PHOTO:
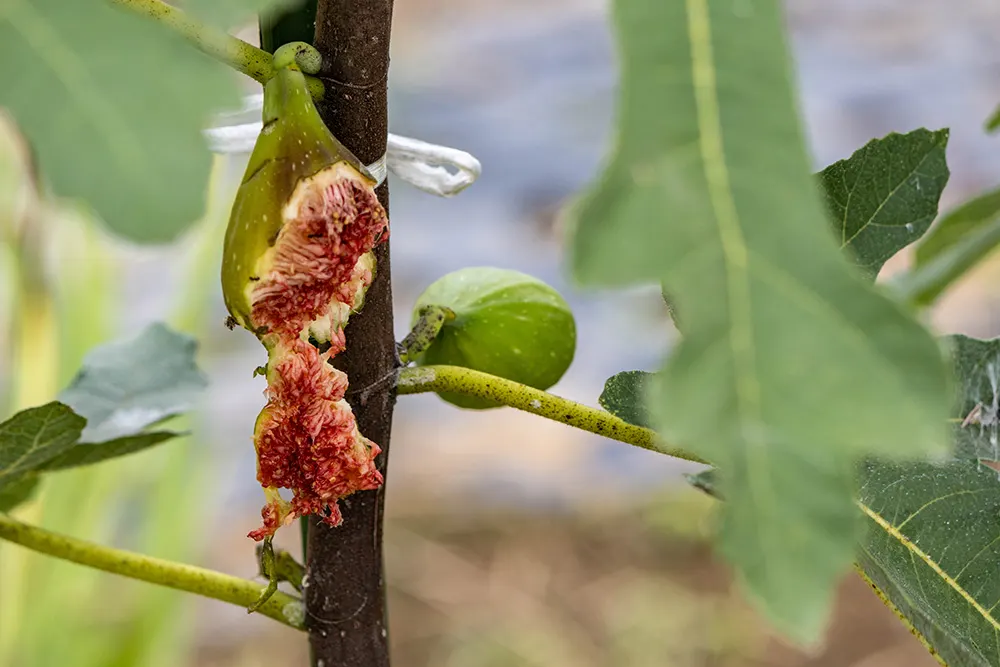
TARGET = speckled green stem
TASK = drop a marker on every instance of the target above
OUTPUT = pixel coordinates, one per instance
(281, 607)
(455, 379)
(243, 57)
(430, 319)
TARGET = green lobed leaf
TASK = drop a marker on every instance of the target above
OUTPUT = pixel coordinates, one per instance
(709, 193)
(113, 105)
(124, 387)
(885, 196)
(84, 454)
(624, 396)
(17, 491)
(932, 541)
(931, 547)
(34, 436)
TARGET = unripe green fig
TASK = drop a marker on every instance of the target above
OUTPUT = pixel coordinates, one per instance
(506, 323)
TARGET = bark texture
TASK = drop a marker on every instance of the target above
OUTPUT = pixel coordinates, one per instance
(345, 597)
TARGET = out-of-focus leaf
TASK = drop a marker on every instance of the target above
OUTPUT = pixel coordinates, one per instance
(925, 283)
(17, 491)
(624, 396)
(113, 104)
(709, 193)
(962, 239)
(126, 386)
(15, 179)
(88, 453)
(34, 436)
(957, 225)
(993, 122)
(705, 481)
(229, 13)
(297, 23)
(885, 196)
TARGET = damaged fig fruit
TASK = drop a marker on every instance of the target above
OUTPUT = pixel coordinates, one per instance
(297, 262)
(505, 323)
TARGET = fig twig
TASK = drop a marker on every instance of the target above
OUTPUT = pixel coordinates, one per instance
(281, 607)
(468, 382)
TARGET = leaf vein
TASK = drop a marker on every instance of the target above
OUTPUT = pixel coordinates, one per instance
(930, 562)
(885, 200)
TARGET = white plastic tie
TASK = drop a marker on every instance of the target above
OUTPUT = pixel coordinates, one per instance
(427, 166)
(439, 170)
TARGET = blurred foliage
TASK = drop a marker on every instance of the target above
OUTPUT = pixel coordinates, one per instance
(143, 502)
(708, 193)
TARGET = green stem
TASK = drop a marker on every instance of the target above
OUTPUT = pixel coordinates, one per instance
(281, 607)
(243, 57)
(468, 382)
(425, 331)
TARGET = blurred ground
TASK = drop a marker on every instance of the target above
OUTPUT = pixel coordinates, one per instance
(602, 586)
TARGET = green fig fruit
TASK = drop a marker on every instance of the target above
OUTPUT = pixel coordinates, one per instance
(505, 323)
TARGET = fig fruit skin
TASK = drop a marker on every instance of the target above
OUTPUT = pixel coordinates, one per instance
(293, 148)
(506, 323)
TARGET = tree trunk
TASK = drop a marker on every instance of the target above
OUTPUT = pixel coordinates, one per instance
(345, 597)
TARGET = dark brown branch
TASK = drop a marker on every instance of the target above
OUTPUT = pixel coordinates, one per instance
(345, 596)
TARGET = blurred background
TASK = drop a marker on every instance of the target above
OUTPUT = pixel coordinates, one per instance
(510, 540)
